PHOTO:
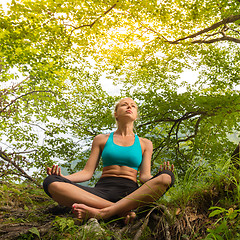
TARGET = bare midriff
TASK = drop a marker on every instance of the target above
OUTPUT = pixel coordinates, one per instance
(120, 171)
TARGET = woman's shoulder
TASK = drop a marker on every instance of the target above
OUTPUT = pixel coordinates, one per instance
(101, 138)
(145, 143)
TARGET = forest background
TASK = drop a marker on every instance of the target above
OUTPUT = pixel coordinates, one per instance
(60, 60)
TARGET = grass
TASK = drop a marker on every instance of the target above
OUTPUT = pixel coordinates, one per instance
(201, 191)
(202, 205)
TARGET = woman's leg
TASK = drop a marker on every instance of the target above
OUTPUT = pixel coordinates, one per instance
(67, 194)
(147, 193)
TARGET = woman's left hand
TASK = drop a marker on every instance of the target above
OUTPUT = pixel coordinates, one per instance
(54, 170)
(166, 166)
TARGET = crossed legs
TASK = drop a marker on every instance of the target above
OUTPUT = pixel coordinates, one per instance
(86, 204)
(147, 193)
(67, 195)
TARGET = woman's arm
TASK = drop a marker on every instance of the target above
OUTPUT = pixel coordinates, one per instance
(91, 165)
(145, 168)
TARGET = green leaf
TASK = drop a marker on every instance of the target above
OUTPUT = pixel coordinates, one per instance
(35, 231)
(218, 211)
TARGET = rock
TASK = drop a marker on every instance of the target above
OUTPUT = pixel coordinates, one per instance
(93, 226)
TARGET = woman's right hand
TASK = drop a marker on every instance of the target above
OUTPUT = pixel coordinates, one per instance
(166, 166)
(54, 170)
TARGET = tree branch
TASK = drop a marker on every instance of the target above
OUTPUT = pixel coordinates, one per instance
(177, 122)
(13, 88)
(17, 153)
(34, 124)
(95, 21)
(186, 116)
(24, 174)
(225, 21)
(224, 38)
(191, 136)
(13, 101)
(214, 26)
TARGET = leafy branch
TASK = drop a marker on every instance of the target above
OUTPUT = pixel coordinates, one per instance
(24, 95)
(5, 157)
(174, 130)
(94, 22)
(157, 150)
(5, 91)
(167, 119)
(222, 32)
(224, 22)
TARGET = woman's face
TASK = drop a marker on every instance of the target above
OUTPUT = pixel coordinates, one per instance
(126, 108)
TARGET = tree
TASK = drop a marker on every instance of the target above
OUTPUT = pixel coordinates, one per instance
(54, 52)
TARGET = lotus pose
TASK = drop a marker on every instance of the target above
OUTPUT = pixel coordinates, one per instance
(123, 154)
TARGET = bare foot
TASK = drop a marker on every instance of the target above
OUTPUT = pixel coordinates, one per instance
(130, 217)
(85, 212)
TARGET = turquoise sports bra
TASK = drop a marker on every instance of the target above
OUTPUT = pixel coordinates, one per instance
(130, 156)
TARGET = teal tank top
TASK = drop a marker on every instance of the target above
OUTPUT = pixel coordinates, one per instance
(130, 156)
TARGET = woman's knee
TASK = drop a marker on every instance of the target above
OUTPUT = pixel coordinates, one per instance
(49, 181)
(164, 180)
(54, 187)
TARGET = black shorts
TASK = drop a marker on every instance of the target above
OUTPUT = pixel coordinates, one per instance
(110, 188)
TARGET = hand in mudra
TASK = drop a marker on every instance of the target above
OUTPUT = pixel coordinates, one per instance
(54, 170)
(166, 166)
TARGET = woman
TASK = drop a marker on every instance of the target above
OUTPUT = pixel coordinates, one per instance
(117, 192)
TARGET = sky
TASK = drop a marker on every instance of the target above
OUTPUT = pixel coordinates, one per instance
(4, 3)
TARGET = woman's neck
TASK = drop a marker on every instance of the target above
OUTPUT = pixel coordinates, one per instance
(125, 129)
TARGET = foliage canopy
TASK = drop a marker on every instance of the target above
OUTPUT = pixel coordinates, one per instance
(54, 55)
